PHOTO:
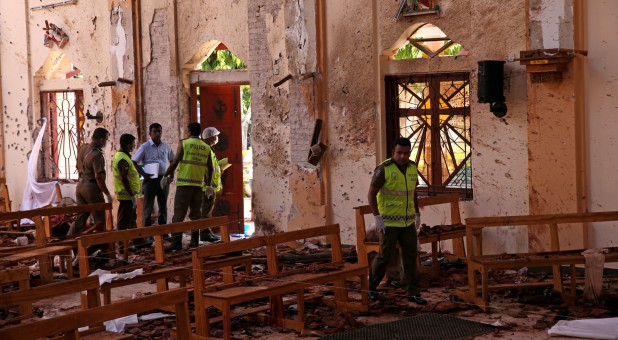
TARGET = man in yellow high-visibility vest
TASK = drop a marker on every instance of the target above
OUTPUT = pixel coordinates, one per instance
(194, 169)
(127, 187)
(393, 201)
(210, 136)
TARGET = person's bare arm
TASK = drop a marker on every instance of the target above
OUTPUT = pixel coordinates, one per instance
(174, 164)
(373, 200)
(209, 171)
(377, 181)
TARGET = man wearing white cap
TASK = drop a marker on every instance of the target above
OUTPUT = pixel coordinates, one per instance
(210, 136)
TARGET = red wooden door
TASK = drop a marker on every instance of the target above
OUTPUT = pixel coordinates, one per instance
(219, 106)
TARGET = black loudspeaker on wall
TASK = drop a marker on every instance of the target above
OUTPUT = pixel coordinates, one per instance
(491, 86)
(491, 81)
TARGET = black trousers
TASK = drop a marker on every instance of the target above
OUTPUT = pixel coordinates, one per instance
(152, 189)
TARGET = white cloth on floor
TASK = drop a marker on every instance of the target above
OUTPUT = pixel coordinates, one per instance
(37, 194)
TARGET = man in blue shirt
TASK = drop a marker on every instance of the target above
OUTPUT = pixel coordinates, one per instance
(154, 151)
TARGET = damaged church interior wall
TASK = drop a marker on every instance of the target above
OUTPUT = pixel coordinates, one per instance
(93, 48)
(499, 146)
(335, 53)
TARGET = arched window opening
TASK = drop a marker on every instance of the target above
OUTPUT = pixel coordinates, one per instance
(221, 59)
(428, 41)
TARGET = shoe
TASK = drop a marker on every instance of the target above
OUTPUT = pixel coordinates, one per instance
(373, 295)
(417, 299)
(173, 247)
(142, 246)
(210, 238)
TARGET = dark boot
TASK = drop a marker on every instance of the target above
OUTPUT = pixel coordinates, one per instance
(194, 239)
(176, 243)
(207, 235)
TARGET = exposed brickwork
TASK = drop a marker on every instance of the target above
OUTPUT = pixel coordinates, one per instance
(161, 88)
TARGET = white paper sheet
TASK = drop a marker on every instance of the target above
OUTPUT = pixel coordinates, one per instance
(590, 328)
(154, 316)
(152, 168)
(107, 276)
(117, 325)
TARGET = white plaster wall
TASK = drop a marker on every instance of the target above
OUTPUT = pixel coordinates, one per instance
(16, 110)
(601, 108)
(22, 55)
(352, 114)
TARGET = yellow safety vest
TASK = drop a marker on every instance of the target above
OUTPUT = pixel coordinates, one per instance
(194, 163)
(121, 193)
(396, 197)
(216, 183)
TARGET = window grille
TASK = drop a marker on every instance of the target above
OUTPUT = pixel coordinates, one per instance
(65, 133)
(433, 111)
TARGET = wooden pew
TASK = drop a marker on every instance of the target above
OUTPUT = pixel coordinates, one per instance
(163, 273)
(41, 218)
(22, 277)
(364, 246)
(5, 199)
(70, 323)
(249, 287)
(45, 256)
(40, 250)
(26, 297)
(481, 264)
(5, 204)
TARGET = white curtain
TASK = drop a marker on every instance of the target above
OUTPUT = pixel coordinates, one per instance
(37, 194)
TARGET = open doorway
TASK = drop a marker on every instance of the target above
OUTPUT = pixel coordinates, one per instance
(226, 106)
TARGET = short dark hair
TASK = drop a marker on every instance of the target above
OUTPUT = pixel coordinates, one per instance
(402, 141)
(126, 139)
(99, 133)
(195, 129)
(154, 126)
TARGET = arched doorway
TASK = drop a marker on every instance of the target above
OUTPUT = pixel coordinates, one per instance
(220, 98)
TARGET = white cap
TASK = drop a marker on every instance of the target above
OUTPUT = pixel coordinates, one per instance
(209, 132)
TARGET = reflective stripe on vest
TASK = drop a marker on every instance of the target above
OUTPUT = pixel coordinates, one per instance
(396, 197)
(121, 193)
(193, 166)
